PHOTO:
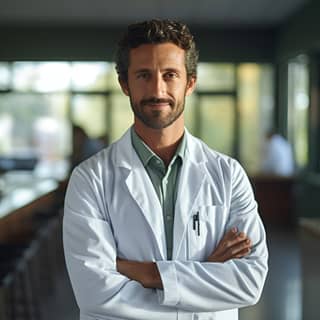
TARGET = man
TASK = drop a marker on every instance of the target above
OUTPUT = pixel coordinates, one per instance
(277, 156)
(158, 226)
(83, 146)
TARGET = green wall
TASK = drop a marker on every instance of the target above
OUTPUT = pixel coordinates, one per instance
(96, 43)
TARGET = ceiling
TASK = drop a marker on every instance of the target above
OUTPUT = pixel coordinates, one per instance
(264, 13)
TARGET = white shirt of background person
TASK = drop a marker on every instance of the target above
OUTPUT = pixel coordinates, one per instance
(278, 157)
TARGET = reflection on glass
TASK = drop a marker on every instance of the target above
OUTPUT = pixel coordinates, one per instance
(89, 112)
(6, 123)
(216, 77)
(41, 76)
(89, 76)
(34, 124)
(298, 108)
(217, 122)
(4, 76)
(256, 106)
(121, 116)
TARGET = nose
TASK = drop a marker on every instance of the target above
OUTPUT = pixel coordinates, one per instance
(158, 86)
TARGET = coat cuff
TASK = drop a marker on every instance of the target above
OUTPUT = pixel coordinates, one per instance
(169, 296)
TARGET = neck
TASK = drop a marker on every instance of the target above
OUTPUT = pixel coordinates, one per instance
(163, 142)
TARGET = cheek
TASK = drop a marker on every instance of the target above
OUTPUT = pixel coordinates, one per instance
(133, 93)
(137, 89)
(180, 91)
(136, 96)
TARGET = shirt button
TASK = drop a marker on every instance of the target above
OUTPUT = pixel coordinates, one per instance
(168, 218)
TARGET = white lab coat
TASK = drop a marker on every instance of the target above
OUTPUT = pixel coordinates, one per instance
(112, 209)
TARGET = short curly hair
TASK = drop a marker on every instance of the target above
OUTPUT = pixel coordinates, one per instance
(155, 32)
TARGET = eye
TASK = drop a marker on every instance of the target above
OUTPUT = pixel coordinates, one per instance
(143, 75)
(170, 75)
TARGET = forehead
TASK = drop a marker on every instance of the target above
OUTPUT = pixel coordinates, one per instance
(166, 55)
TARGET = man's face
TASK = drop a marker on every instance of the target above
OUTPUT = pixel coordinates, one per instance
(157, 84)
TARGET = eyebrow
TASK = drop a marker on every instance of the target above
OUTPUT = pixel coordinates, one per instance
(164, 70)
(142, 70)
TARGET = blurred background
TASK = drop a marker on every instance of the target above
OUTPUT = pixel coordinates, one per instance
(60, 102)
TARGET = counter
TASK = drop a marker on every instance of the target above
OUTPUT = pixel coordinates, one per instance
(311, 225)
(23, 192)
(22, 196)
(274, 196)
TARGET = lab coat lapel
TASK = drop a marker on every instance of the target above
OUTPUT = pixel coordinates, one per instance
(142, 191)
(192, 178)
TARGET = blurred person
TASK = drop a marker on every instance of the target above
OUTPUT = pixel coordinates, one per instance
(83, 147)
(158, 225)
(277, 156)
(104, 139)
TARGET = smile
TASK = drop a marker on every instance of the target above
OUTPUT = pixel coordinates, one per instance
(159, 105)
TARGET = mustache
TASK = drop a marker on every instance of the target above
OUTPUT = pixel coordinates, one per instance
(155, 101)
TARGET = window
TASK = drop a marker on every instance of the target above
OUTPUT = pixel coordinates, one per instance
(298, 108)
(230, 108)
(256, 110)
(216, 77)
(90, 76)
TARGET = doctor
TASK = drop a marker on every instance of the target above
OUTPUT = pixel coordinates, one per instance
(158, 226)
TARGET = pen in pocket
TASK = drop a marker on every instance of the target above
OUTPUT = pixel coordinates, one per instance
(196, 223)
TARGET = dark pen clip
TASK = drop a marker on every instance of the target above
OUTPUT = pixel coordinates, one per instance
(196, 222)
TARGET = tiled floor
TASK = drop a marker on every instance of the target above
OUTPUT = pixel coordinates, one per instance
(282, 295)
(281, 298)
(62, 306)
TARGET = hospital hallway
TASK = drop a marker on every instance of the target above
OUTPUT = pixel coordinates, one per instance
(282, 295)
(281, 299)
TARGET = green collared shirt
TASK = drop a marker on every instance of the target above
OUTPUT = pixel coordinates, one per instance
(165, 180)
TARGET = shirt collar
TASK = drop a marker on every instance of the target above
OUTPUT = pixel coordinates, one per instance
(146, 154)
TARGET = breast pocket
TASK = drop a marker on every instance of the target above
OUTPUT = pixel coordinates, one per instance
(206, 226)
(204, 316)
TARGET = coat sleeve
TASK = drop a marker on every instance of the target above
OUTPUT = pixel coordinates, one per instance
(90, 252)
(204, 286)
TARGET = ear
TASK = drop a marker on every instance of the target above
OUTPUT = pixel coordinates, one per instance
(191, 85)
(124, 86)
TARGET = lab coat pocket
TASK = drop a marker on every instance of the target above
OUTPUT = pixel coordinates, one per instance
(205, 227)
(204, 316)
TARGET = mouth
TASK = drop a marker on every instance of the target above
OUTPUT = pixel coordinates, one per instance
(157, 103)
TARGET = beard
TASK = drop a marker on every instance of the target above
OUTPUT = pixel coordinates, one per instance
(157, 119)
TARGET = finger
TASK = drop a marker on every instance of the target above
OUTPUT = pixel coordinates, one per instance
(231, 243)
(234, 239)
(242, 253)
(237, 251)
(229, 236)
(224, 242)
(238, 247)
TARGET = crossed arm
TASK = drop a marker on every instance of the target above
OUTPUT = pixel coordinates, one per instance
(233, 245)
